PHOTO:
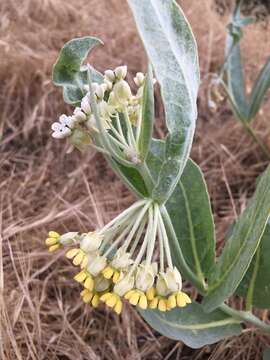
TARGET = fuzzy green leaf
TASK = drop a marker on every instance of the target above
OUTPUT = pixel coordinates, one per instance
(191, 215)
(259, 90)
(171, 48)
(255, 286)
(68, 71)
(192, 325)
(240, 247)
(148, 113)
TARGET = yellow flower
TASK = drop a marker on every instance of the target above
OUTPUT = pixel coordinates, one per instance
(53, 241)
(86, 279)
(111, 273)
(179, 299)
(160, 303)
(137, 297)
(113, 301)
(79, 257)
(90, 297)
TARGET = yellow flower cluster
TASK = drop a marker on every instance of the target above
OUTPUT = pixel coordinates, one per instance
(110, 276)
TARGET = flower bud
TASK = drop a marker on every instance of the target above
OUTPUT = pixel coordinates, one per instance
(79, 115)
(121, 259)
(85, 105)
(109, 75)
(122, 91)
(125, 284)
(108, 84)
(145, 276)
(97, 265)
(139, 79)
(120, 72)
(91, 241)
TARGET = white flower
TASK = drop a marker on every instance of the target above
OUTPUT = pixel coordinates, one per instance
(145, 276)
(69, 121)
(139, 79)
(60, 131)
(96, 265)
(120, 72)
(121, 259)
(99, 90)
(91, 241)
(173, 279)
(125, 284)
(169, 282)
(109, 75)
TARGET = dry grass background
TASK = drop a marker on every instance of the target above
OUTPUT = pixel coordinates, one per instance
(42, 188)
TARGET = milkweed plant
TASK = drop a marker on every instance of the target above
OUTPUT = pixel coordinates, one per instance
(141, 255)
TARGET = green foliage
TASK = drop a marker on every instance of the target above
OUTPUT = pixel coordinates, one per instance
(68, 71)
(244, 108)
(193, 325)
(255, 286)
(171, 48)
(190, 212)
(148, 115)
(240, 247)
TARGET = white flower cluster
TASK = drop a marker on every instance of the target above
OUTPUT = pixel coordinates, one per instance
(114, 101)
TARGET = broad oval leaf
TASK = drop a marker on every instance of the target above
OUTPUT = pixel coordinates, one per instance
(147, 116)
(192, 325)
(68, 71)
(255, 286)
(240, 247)
(172, 50)
(191, 215)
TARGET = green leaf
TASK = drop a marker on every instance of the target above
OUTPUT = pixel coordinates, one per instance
(190, 212)
(192, 325)
(259, 90)
(133, 179)
(156, 156)
(171, 48)
(234, 71)
(240, 247)
(68, 71)
(148, 113)
(255, 286)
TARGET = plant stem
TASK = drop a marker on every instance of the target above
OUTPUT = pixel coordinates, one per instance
(146, 175)
(245, 316)
(250, 131)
